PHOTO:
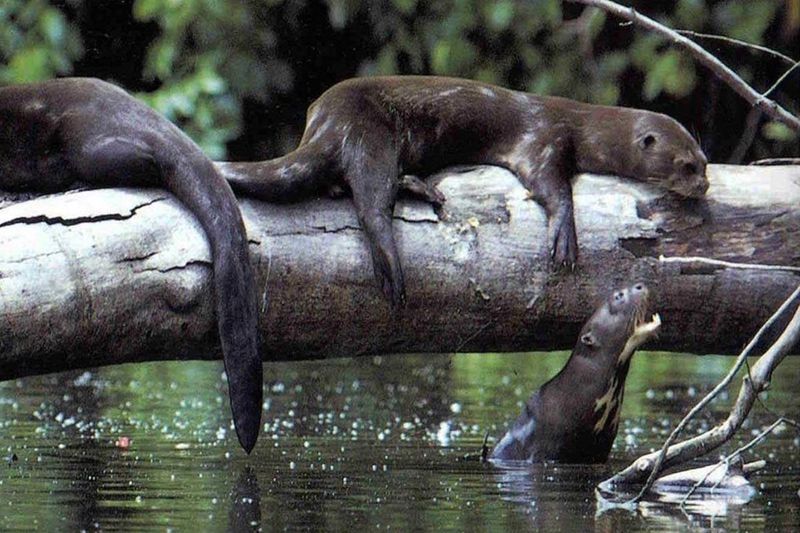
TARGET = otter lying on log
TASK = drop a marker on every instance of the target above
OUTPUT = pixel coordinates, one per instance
(363, 134)
(60, 132)
(574, 417)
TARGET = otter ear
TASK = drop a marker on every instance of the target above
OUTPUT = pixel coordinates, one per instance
(588, 339)
(647, 140)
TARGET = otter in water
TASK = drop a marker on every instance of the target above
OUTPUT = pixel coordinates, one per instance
(364, 134)
(574, 417)
(58, 132)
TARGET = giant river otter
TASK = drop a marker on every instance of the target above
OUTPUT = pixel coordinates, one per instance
(58, 132)
(574, 417)
(366, 133)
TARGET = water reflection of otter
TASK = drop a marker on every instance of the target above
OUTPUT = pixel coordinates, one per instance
(574, 417)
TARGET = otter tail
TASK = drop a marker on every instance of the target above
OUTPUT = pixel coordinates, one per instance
(195, 182)
(296, 175)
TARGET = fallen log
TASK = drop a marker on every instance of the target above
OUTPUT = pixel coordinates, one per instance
(110, 276)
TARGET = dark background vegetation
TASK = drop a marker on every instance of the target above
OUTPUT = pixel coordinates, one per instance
(238, 75)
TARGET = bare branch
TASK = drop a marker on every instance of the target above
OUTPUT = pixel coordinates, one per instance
(727, 264)
(726, 461)
(776, 161)
(780, 80)
(761, 102)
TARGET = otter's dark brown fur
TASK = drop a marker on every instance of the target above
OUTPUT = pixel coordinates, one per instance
(574, 417)
(367, 132)
(59, 132)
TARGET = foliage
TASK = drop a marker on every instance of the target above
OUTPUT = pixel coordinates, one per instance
(36, 41)
(209, 57)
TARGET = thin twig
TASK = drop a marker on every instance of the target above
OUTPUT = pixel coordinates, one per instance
(776, 161)
(727, 264)
(744, 44)
(780, 80)
(722, 71)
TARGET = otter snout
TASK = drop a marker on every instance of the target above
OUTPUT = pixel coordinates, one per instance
(633, 297)
(689, 176)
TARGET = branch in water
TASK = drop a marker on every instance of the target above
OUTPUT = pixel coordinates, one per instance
(649, 466)
(726, 461)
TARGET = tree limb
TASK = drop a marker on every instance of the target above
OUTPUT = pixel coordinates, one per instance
(722, 71)
(112, 276)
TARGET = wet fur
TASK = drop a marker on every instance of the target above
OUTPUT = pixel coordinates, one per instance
(59, 132)
(574, 417)
(368, 132)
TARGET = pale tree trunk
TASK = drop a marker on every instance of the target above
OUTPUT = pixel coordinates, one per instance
(110, 276)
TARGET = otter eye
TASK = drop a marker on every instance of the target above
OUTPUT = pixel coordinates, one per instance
(648, 141)
(638, 287)
(689, 169)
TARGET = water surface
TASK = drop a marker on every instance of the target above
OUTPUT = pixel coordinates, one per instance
(373, 443)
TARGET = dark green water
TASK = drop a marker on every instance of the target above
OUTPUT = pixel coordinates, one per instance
(368, 444)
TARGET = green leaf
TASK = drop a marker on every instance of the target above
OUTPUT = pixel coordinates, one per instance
(691, 14)
(488, 74)
(499, 14)
(453, 57)
(671, 73)
(605, 94)
(612, 64)
(406, 7)
(161, 58)
(644, 51)
(52, 26)
(30, 65)
(387, 60)
(777, 131)
(657, 75)
(145, 10)
(746, 20)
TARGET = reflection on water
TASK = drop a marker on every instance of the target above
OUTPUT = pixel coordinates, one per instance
(375, 443)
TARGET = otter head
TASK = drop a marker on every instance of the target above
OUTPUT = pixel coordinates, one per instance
(665, 155)
(618, 326)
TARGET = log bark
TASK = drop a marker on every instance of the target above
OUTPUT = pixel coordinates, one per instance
(110, 276)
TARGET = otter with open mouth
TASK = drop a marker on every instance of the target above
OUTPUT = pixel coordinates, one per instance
(574, 417)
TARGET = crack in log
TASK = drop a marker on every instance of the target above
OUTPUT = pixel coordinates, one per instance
(29, 258)
(415, 220)
(326, 229)
(135, 258)
(187, 264)
(52, 221)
